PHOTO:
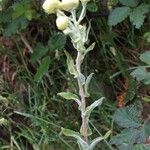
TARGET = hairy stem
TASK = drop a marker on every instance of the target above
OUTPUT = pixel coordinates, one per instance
(82, 96)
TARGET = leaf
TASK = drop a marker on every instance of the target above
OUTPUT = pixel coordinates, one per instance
(92, 7)
(130, 3)
(43, 68)
(57, 41)
(87, 82)
(15, 26)
(117, 15)
(141, 74)
(147, 36)
(90, 48)
(137, 16)
(95, 142)
(127, 117)
(18, 10)
(131, 90)
(90, 108)
(6, 15)
(81, 78)
(89, 132)
(128, 137)
(76, 135)
(39, 51)
(125, 139)
(142, 147)
(145, 57)
(68, 95)
(70, 64)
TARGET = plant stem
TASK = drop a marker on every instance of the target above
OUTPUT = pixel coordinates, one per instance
(82, 96)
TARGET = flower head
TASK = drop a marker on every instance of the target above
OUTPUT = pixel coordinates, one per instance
(62, 22)
(84, 1)
(50, 6)
(69, 5)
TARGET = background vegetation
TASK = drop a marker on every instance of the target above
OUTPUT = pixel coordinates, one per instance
(33, 70)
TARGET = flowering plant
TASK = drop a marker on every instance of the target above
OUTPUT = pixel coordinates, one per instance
(79, 33)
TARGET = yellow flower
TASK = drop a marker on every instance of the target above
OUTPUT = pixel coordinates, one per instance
(62, 22)
(70, 4)
(50, 6)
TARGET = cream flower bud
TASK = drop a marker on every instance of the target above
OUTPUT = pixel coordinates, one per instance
(85, 1)
(70, 4)
(50, 6)
(62, 22)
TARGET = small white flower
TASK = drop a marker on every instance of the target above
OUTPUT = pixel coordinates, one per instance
(69, 5)
(62, 22)
(50, 6)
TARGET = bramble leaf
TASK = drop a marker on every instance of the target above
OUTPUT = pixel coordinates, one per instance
(137, 16)
(130, 3)
(118, 14)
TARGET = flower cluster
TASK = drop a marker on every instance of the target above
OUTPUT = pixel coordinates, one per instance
(57, 7)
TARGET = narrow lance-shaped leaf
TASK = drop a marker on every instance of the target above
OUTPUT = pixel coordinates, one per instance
(95, 142)
(81, 78)
(90, 48)
(87, 82)
(70, 96)
(70, 64)
(90, 108)
(76, 135)
(89, 132)
(88, 31)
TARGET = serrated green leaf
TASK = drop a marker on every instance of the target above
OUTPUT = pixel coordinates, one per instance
(57, 41)
(124, 140)
(43, 69)
(142, 147)
(131, 91)
(141, 74)
(6, 15)
(127, 117)
(87, 82)
(145, 57)
(130, 3)
(70, 64)
(128, 137)
(92, 7)
(137, 16)
(117, 15)
(147, 36)
(15, 26)
(68, 95)
(18, 10)
(39, 51)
